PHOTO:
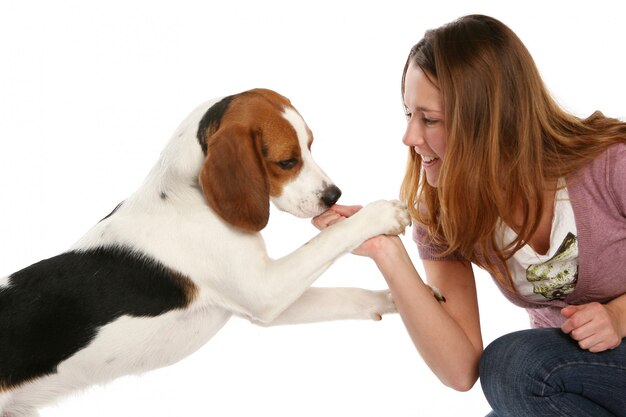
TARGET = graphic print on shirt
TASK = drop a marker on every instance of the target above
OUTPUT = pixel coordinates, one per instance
(557, 277)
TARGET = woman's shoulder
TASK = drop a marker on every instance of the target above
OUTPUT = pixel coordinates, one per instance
(603, 180)
(609, 165)
(616, 174)
(615, 155)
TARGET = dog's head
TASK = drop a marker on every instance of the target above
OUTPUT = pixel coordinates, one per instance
(258, 149)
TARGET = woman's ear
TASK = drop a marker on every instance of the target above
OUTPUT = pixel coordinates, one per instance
(234, 179)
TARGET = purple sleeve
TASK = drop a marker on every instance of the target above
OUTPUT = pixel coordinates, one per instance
(616, 176)
(429, 250)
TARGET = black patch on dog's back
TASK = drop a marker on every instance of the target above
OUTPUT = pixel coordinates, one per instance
(210, 122)
(54, 308)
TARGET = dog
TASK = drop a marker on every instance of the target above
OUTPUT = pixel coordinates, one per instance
(155, 279)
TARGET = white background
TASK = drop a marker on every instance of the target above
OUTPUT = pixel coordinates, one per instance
(91, 90)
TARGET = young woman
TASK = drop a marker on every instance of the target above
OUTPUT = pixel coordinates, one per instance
(498, 175)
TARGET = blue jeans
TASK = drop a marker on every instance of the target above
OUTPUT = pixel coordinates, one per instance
(543, 373)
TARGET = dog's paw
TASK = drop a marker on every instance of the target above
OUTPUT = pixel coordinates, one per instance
(381, 303)
(384, 217)
(437, 294)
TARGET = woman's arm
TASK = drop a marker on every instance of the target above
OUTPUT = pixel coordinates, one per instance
(447, 335)
(599, 327)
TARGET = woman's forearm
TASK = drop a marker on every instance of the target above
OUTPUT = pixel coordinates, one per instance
(439, 338)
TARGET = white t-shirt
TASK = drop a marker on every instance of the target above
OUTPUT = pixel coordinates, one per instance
(551, 276)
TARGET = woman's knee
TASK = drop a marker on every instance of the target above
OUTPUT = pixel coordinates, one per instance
(497, 365)
(513, 366)
(544, 372)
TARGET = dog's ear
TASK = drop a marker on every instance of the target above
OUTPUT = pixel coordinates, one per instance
(234, 179)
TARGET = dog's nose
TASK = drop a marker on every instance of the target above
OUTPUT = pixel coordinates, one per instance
(331, 195)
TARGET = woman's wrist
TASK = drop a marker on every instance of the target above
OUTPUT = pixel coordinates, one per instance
(384, 248)
(617, 307)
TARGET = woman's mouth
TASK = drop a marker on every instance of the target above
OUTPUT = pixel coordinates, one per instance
(428, 160)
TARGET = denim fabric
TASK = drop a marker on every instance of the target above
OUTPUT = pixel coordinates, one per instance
(543, 373)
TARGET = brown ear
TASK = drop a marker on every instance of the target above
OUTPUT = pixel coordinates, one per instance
(234, 180)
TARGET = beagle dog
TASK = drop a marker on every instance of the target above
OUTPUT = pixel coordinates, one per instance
(159, 276)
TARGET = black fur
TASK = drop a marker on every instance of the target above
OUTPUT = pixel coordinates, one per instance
(113, 212)
(211, 120)
(54, 308)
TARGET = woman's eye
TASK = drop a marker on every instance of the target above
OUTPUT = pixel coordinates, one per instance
(287, 163)
(429, 122)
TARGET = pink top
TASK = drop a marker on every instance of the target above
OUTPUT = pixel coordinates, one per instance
(598, 197)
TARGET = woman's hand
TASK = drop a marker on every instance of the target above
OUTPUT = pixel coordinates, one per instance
(370, 248)
(333, 215)
(595, 326)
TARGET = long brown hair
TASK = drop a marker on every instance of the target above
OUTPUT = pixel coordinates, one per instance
(507, 140)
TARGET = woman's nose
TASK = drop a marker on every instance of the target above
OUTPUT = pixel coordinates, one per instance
(413, 136)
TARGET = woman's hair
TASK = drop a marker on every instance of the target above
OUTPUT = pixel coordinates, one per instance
(507, 140)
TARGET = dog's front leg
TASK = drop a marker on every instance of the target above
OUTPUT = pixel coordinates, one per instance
(284, 280)
(326, 304)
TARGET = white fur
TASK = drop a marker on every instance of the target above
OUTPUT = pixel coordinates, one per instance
(301, 197)
(231, 269)
(4, 281)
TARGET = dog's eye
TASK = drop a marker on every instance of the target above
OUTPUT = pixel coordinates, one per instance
(287, 163)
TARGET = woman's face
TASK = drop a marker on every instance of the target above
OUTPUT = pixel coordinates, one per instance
(425, 131)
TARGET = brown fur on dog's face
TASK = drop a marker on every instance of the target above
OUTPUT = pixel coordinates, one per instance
(253, 152)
